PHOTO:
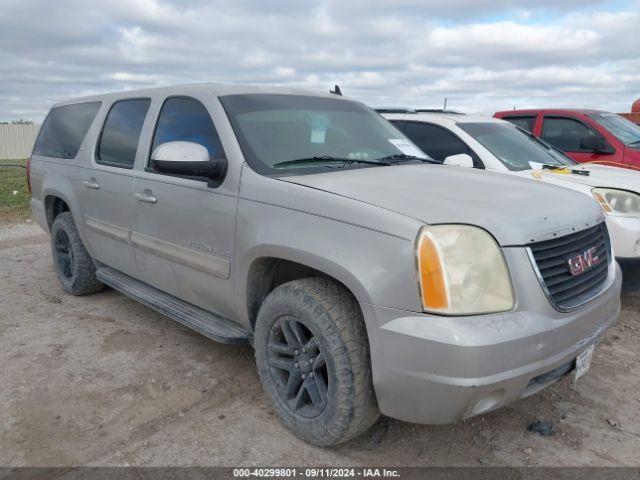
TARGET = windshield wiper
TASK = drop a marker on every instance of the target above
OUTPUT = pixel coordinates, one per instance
(329, 159)
(637, 142)
(403, 157)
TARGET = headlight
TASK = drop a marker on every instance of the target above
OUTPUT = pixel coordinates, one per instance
(461, 271)
(618, 202)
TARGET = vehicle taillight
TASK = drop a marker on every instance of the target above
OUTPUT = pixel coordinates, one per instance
(29, 174)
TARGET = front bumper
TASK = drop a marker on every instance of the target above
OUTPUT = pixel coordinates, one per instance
(433, 369)
(625, 239)
(625, 236)
(630, 272)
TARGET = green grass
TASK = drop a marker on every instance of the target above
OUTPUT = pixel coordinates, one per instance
(14, 179)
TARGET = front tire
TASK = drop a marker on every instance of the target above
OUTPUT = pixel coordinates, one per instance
(72, 262)
(312, 354)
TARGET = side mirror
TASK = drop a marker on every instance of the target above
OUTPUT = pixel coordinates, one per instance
(186, 158)
(596, 145)
(461, 160)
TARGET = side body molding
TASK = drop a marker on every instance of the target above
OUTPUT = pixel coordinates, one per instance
(204, 262)
(107, 229)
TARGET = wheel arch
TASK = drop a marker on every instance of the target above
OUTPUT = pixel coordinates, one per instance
(267, 271)
(55, 202)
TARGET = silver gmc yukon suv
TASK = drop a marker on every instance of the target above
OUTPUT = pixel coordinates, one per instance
(367, 279)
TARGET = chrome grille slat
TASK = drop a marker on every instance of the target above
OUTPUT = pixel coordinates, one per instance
(572, 238)
(567, 248)
(551, 260)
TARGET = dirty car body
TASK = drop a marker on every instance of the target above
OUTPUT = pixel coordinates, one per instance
(225, 241)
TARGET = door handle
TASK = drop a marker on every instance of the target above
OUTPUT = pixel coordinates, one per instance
(92, 184)
(146, 197)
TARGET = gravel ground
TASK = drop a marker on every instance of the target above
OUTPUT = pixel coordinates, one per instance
(102, 380)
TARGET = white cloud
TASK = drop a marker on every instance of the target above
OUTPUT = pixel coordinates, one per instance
(483, 55)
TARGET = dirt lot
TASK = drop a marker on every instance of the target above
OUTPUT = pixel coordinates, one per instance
(102, 380)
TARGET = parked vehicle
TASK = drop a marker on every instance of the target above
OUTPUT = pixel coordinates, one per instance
(367, 279)
(584, 135)
(491, 144)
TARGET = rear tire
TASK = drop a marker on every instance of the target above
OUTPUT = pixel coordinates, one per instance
(72, 262)
(312, 353)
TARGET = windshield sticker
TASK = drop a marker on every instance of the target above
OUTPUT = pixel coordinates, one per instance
(536, 165)
(319, 124)
(406, 147)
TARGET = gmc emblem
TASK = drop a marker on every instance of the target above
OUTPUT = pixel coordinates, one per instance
(583, 262)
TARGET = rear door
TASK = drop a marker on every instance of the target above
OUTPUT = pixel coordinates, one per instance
(184, 228)
(108, 183)
(566, 133)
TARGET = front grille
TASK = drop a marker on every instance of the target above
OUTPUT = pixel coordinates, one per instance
(551, 257)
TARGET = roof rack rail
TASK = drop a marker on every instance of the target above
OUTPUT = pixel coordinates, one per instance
(437, 110)
(394, 110)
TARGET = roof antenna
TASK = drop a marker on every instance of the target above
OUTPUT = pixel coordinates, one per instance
(444, 108)
(336, 90)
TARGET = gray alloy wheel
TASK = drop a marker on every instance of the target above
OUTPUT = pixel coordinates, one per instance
(312, 353)
(72, 262)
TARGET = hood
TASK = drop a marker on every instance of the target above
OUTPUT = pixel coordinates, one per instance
(599, 176)
(516, 211)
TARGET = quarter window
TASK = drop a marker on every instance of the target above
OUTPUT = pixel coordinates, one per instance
(185, 119)
(526, 123)
(566, 133)
(121, 132)
(64, 129)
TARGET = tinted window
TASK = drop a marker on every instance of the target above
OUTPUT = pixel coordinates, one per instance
(435, 141)
(322, 132)
(525, 123)
(516, 149)
(64, 129)
(121, 132)
(565, 133)
(186, 119)
(624, 130)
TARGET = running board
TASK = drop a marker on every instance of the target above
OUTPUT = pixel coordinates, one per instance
(206, 323)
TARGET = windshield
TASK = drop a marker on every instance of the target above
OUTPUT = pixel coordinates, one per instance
(624, 130)
(516, 149)
(307, 134)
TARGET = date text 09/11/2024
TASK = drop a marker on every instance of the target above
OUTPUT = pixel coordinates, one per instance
(316, 472)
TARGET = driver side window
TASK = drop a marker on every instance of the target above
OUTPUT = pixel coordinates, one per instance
(436, 141)
(566, 133)
(186, 119)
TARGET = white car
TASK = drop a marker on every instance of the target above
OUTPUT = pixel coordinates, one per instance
(492, 144)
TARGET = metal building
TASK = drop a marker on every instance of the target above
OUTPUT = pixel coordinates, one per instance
(16, 140)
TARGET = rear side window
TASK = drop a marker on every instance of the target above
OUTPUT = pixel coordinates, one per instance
(525, 123)
(185, 119)
(565, 133)
(64, 129)
(435, 141)
(121, 132)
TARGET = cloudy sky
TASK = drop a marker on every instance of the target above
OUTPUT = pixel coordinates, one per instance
(483, 55)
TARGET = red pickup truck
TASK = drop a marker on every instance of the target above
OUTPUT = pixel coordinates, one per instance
(584, 135)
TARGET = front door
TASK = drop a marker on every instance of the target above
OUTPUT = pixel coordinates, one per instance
(566, 134)
(109, 186)
(184, 228)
